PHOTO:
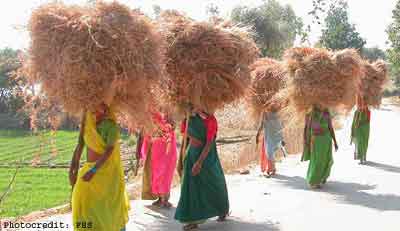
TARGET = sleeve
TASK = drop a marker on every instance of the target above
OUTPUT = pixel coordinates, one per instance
(183, 126)
(212, 127)
(112, 133)
(353, 125)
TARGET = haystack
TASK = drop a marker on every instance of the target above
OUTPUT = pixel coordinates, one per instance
(267, 78)
(321, 77)
(84, 56)
(207, 64)
(373, 81)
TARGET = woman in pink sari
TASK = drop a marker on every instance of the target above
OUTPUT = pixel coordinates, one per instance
(159, 152)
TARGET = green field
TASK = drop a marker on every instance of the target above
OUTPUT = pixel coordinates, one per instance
(35, 188)
(23, 146)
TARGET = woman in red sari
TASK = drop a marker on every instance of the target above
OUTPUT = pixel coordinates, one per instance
(159, 153)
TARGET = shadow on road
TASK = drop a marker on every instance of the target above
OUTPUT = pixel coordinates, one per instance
(384, 167)
(350, 193)
(353, 193)
(166, 222)
(294, 182)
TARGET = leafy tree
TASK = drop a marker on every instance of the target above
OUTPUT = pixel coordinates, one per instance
(212, 10)
(319, 7)
(393, 32)
(373, 53)
(10, 100)
(338, 32)
(157, 10)
(276, 27)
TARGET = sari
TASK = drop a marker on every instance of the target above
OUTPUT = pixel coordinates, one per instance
(360, 133)
(160, 154)
(264, 164)
(205, 195)
(102, 203)
(318, 147)
(272, 134)
(272, 141)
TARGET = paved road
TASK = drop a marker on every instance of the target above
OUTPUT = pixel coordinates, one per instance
(356, 197)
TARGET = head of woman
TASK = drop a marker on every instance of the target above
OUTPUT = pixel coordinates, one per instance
(101, 112)
(317, 107)
(361, 102)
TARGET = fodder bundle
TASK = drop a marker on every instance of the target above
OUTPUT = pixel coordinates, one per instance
(207, 63)
(322, 78)
(267, 79)
(83, 56)
(372, 82)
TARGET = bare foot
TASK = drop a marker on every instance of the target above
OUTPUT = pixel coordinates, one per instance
(190, 227)
(222, 218)
(166, 204)
(315, 186)
(157, 203)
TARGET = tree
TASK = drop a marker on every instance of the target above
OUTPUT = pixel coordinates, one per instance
(276, 27)
(212, 10)
(338, 32)
(393, 32)
(373, 53)
(10, 100)
(157, 10)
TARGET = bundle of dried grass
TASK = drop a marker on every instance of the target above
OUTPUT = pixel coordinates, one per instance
(268, 76)
(84, 56)
(373, 81)
(207, 64)
(320, 77)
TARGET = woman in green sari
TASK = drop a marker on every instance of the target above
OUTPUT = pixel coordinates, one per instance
(203, 191)
(318, 136)
(360, 131)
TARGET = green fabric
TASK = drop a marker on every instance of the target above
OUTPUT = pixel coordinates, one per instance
(205, 195)
(108, 130)
(360, 134)
(319, 150)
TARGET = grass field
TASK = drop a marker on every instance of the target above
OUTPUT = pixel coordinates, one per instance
(33, 189)
(23, 146)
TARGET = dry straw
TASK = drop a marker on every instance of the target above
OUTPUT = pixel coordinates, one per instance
(268, 76)
(207, 63)
(84, 56)
(373, 81)
(320, 77)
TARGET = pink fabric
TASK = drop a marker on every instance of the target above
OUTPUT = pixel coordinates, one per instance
(163, 156)
(163, 163)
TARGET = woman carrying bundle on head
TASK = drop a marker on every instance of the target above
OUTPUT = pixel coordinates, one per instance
(159, 153)
(318, 136)
(272, 141)
(99, 199)
(203, 192)
(360, 130)
(370, 95)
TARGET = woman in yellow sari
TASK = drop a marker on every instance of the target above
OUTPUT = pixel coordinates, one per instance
(99, 199)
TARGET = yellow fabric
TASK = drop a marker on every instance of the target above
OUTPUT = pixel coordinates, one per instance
(102, 203)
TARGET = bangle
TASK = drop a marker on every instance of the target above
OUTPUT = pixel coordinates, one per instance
(93, 169)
